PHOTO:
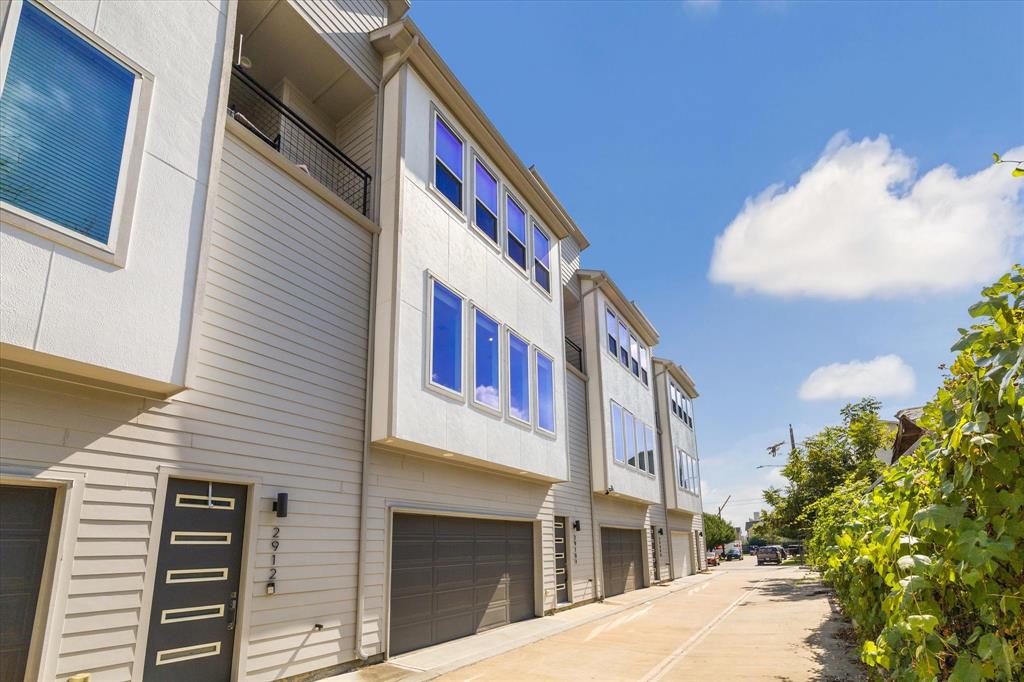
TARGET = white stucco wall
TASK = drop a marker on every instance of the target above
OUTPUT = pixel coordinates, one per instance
(674, 434)
(610, 380)
(136, 318)
(434, 238)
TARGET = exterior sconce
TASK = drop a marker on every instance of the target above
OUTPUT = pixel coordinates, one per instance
(576, 525)
(281, 505)
(661, 531)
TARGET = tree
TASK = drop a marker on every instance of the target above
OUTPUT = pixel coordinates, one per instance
(717, 531)
(835, 456)
(761, 534)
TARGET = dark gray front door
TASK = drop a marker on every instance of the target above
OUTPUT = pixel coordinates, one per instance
(192, 622)
(561, 561)
(623, 560)
(25, 516)
(454, 576)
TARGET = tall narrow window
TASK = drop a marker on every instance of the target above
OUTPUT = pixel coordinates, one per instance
(618, 444)
(66, 109)
(649, 437)
(518, 378)
(630, 436)
(485, 360)
(680, 468)
(448, 162)
(515, 218)
(541, 256)
(644, 376)
(634, 355)
(623, 344)
(672, 398)
(486, 189)
(545, 393)
(641, 446)
(611, 327)
(446, 339)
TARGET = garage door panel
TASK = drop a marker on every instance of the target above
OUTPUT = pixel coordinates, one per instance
(481, 577)
(622, 560)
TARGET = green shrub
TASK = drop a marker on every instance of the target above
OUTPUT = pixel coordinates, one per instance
(929, 563)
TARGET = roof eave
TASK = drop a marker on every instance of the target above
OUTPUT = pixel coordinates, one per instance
(627, 308)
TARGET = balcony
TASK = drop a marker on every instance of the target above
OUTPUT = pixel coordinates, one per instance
(574, 355)
(275, 123)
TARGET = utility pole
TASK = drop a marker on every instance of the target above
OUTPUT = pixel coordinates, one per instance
(792, 440)
(723, 505)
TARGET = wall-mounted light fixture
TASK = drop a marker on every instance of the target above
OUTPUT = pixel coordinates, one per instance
(281, 505)
(661, 531)
(576, 525)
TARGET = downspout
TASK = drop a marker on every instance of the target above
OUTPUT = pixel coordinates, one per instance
(666, 472)
(372, 321)
(595, 535)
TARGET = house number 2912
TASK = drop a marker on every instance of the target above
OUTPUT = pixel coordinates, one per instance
(275, 544)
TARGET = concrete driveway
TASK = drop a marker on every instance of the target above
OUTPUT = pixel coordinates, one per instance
(739, 621)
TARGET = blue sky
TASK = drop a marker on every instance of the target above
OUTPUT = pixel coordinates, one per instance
(661, 126)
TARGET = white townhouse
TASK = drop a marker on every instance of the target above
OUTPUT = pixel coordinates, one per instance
(298, 369)
(674, 396)
(186, 267)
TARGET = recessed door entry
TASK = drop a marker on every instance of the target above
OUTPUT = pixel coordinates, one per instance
(561, 562)
(195, 597)
(25, 516)
(654, 552)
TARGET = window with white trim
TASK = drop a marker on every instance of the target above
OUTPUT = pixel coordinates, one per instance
(448, 160)
(485, 190)
(541, 258)
(445, 338)
(486, 360)
(680, 404)
(626, 348)
(687, 471)
(545, 382)
(518, 354)
(515, 231)
(633, 441)
(70, 113)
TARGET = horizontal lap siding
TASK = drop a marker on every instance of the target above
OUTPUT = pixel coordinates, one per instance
(656, 517)
(570, 264)
(438, 486)
(357, 135)
(573, 498)
(278, 394)
(345, 25)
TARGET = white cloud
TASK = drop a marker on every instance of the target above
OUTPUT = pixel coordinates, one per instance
(886, 375)
(860, 223)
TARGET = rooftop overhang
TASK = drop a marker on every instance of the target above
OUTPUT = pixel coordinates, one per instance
(680, 375)
(404, 38)
(628, 309)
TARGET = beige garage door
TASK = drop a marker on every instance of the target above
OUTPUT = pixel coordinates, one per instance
(454, 576)
(682, 554)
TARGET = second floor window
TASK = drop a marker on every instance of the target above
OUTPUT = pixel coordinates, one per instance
(518, 378)
(688, 471)
(486, 368)
(66, 109)
(633, 441)
(446, 339)
(545, 393)
(448, 162)
(515, 219)
(541, 256)
(611, 325)
(618, 444)
(486, 190)
(649, 442)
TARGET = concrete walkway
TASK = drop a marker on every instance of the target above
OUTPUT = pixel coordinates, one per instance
(740, 620)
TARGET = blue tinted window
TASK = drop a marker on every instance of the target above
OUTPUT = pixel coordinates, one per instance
(518, 378)
(623, 344)
(65, 114)
(516, 219)
(649, 436)
(617, 441)
(446, 349)
(611, 325)
(486, 202)
(541, 267)
(630, 437)
(545, 393)
(485, 390)
(447, 162)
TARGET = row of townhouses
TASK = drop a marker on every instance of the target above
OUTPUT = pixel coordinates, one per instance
(300, 366)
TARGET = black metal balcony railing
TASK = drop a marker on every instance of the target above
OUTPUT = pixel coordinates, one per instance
(574, 355)
(253, 106)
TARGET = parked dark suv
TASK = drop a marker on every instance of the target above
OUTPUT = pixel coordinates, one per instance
(769, 555)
